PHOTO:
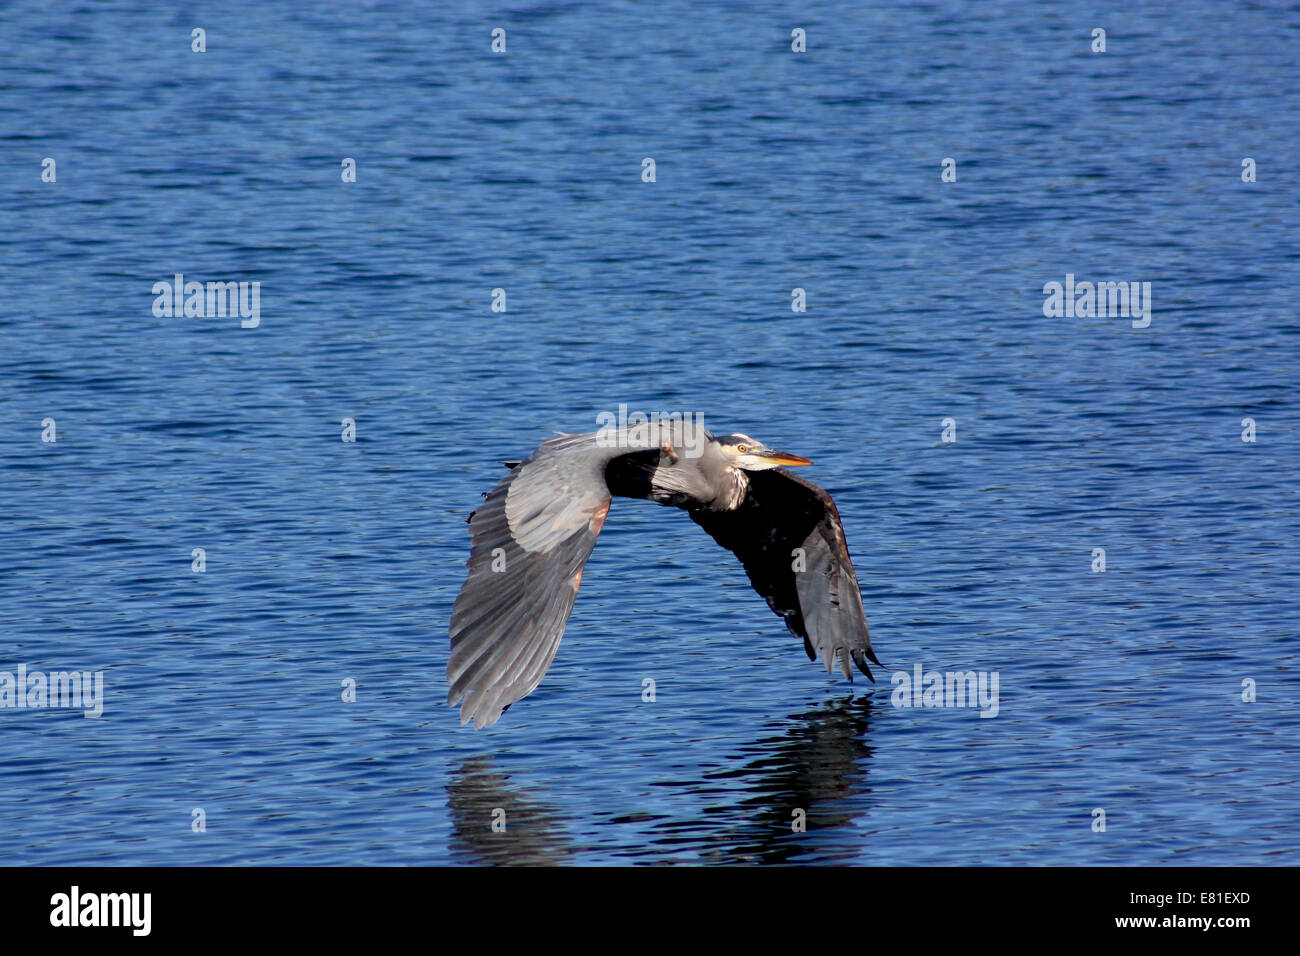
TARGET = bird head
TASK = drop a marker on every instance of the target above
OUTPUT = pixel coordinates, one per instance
(750, 455)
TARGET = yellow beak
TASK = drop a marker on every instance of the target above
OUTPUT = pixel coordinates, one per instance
(785, 458)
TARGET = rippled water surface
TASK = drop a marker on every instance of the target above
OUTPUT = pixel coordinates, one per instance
(328, 561)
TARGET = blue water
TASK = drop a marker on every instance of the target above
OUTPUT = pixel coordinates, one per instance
(327, 561)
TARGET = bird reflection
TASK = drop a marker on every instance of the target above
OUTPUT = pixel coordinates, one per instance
(817, 765)
(477, 793)
(814, 762)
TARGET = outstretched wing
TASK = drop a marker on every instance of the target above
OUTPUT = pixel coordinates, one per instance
(531, 538)
(814, 589)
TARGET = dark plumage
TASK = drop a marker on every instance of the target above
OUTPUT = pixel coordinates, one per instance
(537, 527)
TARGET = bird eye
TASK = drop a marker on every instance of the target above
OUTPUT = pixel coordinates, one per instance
(742, 448)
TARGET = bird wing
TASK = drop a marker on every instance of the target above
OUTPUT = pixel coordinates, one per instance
(530, 541)
(816, 590)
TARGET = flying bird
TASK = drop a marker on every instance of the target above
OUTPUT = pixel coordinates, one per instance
(534, 532)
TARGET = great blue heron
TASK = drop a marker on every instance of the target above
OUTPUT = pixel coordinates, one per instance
(535, 531)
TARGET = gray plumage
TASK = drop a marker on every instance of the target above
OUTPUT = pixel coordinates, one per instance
(533, 534)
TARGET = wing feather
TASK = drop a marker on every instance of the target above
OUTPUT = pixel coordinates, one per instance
(788, 536)
(531, 538)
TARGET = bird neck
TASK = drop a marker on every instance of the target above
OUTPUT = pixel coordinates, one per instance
(735, 485)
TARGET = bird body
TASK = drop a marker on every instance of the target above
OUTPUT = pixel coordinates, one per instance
(535, 530)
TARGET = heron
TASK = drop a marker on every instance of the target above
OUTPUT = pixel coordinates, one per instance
(532, 535)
